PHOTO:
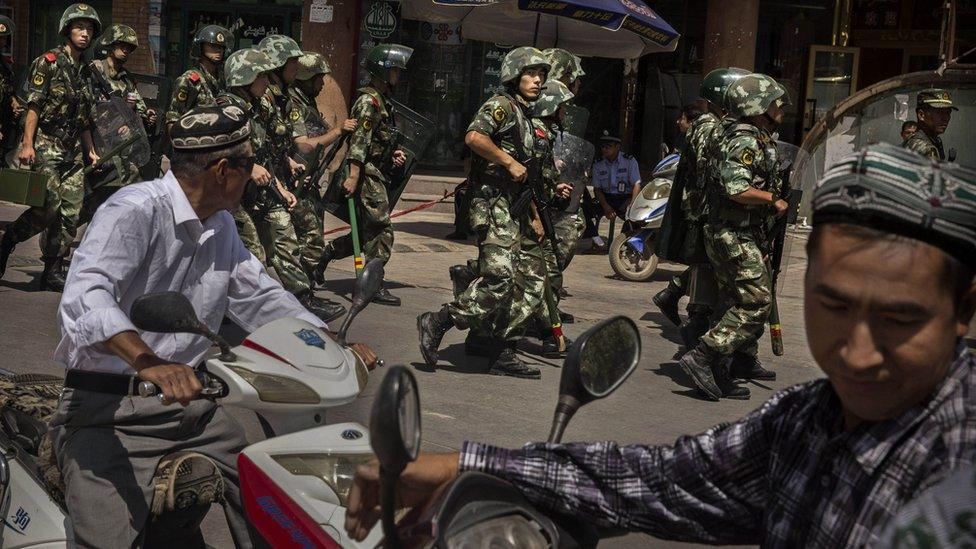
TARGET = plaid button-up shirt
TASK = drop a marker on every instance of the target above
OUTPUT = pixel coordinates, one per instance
(786, 475)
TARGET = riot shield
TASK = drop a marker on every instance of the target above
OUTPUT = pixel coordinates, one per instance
(575, 120)
(413, 133)
(114, 122)
(155, 92)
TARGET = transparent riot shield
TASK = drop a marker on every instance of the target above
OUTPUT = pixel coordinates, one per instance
(413, 133)
(114, 122)
(575, 120)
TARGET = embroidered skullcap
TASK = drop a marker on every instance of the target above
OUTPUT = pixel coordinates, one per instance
(210, 127)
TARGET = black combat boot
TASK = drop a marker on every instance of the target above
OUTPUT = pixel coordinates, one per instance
(566, 318)
(550, 347)
(7, 246)
(326, 310)
(667, 301)
(562, 293)
(432, 327)
(507, 363)
(699, 363)
(748, 367)
(461, 277)
(694, 328)
(476, 344)
(53, 277)
(384, 297)
(724, 382)
(318, 273)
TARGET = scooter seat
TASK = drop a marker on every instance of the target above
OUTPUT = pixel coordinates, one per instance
(22, 428)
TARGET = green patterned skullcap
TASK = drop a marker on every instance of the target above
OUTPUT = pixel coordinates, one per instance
(244, 66)
(520, 59)
(752, 95)
(935, 98)
(895, 190)
(310, 64)
(279, 48)
(563, 63)
(210, 128)
(554, 94)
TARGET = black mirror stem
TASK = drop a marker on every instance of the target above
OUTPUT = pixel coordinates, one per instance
(226, 355)
(388, 483)
(565, 409)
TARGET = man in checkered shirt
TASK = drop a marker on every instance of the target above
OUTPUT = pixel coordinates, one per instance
(889, 295)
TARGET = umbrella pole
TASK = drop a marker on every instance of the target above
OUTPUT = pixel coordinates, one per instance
(628, 110)
(535, 33)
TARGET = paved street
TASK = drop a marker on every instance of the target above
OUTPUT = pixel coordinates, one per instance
(459, 400)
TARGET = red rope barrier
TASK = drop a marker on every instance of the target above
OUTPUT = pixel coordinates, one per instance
(416, 208)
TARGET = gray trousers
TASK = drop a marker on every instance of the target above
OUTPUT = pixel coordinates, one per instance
(108, 448)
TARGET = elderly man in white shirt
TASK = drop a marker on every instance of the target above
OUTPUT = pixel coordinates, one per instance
(171, 234)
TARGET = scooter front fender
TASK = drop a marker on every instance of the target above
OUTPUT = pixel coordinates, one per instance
(639, 241)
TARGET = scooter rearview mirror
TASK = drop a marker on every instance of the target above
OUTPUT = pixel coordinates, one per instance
(395, 437)
(170, 313)
(366, 287)
(596, 364)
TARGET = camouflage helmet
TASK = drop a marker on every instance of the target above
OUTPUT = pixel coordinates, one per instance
(7, 26)
(520, 59)
(563, 63)
(244, 66)
(214, 35)
(279, 48)
(717, 82)
(79, 11)
(384, 57)
(311, 64)
(752, 95)
(119, 34)
(553, 95)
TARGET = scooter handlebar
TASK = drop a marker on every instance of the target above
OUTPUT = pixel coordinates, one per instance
(213, 387)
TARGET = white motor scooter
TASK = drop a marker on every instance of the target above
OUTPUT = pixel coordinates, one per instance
(632, 254)
(290, 373)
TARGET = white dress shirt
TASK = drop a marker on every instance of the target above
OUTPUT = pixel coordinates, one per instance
(147, 238)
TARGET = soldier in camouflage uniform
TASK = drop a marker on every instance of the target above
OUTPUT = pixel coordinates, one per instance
(310, 130)
(510, 291)
(262, 220)
(566, 68)
(743, 197)
(371, 157)
(680, 237)
(8, 129)
(933, 110)
(107, 78)
(57, 115)
(201, 84)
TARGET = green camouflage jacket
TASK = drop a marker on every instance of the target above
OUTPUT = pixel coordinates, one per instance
(193, 88)
(926, 146)
(305, 118)
(54, 85)
(505, 120)
(372, 142)
(119, 82)
(276, 109)
(261, 142)
(744, 156)
(544, 139)
(704, 130)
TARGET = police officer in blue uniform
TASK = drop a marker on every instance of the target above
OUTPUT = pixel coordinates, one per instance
(616, 180)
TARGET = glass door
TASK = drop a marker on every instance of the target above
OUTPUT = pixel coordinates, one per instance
(832, 77)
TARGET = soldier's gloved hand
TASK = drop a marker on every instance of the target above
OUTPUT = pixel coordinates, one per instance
(517, 171)
(399, 158)
(350, 185)
(349, 125)
(564, 190)
(260, 175)
(26, 156)
(781, 207)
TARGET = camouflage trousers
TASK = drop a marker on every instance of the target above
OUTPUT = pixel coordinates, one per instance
(307, 220)
(745, 295)
(58, 216)
(373, 218)
(569, 227)
(512, 269)
(270, 236)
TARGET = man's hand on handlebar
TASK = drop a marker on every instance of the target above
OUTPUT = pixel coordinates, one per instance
(417, 484)
(177, 382)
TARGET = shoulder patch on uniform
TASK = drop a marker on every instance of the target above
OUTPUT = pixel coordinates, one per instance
(38, 79)
(367, 124)
(51, 57)
(539, 132)
(194, 76)
(748, 157)
(498, 114)
(294, 115)
(376, 101)
(181, 94)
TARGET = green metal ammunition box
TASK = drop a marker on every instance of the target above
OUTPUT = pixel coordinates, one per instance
(23, 186)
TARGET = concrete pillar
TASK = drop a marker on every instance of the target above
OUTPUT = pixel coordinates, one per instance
(338, 41)
(730, 34)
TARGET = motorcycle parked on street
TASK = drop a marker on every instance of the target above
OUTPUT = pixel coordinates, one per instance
(478, 510)
(289, 372)
(632, 254)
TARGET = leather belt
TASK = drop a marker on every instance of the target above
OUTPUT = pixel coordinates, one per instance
(102, 382)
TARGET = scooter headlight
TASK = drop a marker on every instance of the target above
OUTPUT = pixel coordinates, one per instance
(513, 531)
(336, 470)
(658, 188)
(272, 388)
